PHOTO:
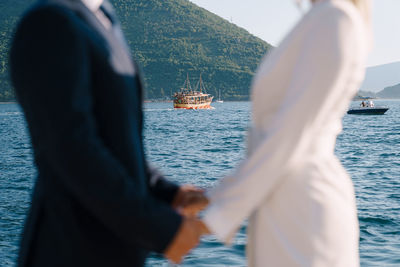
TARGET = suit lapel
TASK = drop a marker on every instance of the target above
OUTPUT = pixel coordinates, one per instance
(120, 57)
(109, 10)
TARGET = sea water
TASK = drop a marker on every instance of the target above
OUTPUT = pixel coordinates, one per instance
(200, 147)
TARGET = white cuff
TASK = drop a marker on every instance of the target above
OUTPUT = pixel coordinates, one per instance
(219, 225)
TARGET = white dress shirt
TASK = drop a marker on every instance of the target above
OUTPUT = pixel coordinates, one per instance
(94, 6)
(299, 199)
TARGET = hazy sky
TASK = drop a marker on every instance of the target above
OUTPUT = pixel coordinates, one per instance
(272, 19)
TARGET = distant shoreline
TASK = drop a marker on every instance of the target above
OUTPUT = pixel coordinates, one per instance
(170, 101)
(225, 101)
(376, 99)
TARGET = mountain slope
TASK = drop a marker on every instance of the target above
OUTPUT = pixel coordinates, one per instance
(379, 77)
(390, 92)
(170, 39)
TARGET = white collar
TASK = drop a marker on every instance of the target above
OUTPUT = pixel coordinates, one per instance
(92, 5)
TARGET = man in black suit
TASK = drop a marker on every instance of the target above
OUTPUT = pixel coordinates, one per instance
(96, 201)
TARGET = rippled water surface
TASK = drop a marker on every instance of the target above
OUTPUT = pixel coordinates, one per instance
(202, 146)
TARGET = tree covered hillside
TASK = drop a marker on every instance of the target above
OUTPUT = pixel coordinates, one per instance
(9, 15)
(170, 39)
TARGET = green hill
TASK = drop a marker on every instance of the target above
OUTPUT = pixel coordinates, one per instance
(10, 12)
(169, 39)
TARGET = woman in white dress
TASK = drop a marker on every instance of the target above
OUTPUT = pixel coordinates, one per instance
(299, 200)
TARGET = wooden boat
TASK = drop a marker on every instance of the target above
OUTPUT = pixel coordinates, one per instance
(187, 98)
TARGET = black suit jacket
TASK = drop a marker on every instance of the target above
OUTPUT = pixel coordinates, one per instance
(96, 202)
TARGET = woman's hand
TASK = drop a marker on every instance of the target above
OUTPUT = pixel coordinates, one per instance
(190, 200)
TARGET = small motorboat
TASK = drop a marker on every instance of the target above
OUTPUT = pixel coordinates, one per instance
(368, 110)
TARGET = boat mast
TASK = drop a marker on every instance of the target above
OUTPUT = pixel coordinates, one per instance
(186, 85)
(200, 84)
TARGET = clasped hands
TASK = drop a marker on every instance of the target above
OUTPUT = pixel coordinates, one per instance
(188, 201)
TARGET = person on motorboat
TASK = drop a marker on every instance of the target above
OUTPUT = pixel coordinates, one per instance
(371, 104)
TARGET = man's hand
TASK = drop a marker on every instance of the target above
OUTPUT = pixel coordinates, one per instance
(187, 237)
(189, 200)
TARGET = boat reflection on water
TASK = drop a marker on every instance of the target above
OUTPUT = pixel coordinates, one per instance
(368, 108)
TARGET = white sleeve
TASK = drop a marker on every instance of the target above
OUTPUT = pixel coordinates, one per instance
(320, 73)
